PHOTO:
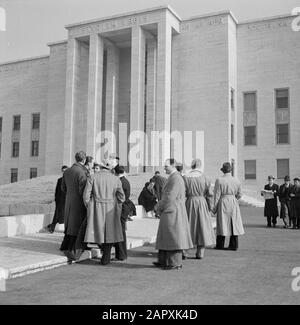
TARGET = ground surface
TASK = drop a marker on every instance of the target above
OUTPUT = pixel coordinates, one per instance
(259, 273)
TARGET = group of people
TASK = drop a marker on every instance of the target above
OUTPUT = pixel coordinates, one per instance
(289, 198)
(95, 206)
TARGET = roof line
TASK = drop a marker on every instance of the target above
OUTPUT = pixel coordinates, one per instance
(26, 59)
(249, 21)
(124, 15)
(57, 43)
(218, 13)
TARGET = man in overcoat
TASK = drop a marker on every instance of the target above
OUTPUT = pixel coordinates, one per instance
(271, 208)
(60, 200)
(295, 203)
(285, 202)
(103, 197)
(173, 234)
(227, 192)
(73, 184)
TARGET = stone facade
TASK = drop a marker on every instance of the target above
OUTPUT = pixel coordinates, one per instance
(152, 71)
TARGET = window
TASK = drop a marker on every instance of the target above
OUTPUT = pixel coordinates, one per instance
(34, 148)
(232, 134)
(250, 135)
(15, 149)
(36, 121)
(0, 124)
(250, 169)
(282, 98)
(33, 172)
(282, 133)
(17, 122)
(282, 116)
(283, 168)
(232, 102)
(13, 175)
(250, 102)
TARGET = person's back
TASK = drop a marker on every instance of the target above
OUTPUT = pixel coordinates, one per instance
(104, 186)
(229, 185)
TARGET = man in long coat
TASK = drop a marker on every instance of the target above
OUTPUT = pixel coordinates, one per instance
(285, 202)
(271, 208)
(73, 184)
(103, 197)
(60, 200)
(227, 192)
(295, 203)
(173, 234)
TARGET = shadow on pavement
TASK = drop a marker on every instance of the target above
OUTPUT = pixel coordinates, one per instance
(96, 262)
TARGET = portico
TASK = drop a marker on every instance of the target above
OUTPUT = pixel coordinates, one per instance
(119, 73)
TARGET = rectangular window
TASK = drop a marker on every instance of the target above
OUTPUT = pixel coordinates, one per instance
(17, 122)
(282, 133)
(232, 134)
(282, 116)
(13, 175)
(250, 169)
(283, 168)
(36, 121)
(33, 172)
(282, 98)
(15, 149)
(250, 102)
(0, 124)
(250, 135)
(34, 148)
(232, 102)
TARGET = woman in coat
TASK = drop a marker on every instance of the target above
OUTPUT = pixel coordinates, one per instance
(173, 234)
(227, 192)
(271, 208)
(147, 199)
(198, 194)
(103, 197)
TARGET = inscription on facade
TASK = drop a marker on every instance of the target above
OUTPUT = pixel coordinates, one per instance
(112, 25)
(190, 26)
(269, 25)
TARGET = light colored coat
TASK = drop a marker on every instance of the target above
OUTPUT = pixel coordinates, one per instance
(103, 196)
(198, 194)
(227, 192)
(173, 230)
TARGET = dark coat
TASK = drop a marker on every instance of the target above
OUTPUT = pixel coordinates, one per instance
(285, 201)
(60, 200)
(128, 207)
(159, 184)
(295, 202)
(147, 200)
(271, 208)
(73, 184)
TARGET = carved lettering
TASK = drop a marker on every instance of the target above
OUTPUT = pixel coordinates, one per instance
(20, 66)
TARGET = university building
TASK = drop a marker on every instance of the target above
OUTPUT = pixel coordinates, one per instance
(151, 70)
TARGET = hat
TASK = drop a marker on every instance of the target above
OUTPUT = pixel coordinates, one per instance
(107, 163)
(287, 178)
(226, 168)
(297, 179)
(271, 178)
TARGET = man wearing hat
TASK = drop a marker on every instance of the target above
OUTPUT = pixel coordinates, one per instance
(271, 208)
(295, 203)
(285, 202)
(103, 197)
(227, 192)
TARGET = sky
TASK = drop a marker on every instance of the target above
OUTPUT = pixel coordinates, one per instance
(31, 24)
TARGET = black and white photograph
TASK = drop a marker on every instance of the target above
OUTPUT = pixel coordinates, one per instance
(149, 156)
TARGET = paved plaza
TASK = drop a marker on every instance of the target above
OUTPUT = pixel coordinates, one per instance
(259, 273)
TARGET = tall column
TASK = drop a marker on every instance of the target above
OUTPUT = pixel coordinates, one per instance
(138, 43)
(112, 90)
(151, 95)
(94, 110)
(163, 86)
(73, 60)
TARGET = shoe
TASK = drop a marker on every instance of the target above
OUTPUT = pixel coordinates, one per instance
(50, 228)
(269, 226)
(231, 249)
(220, 248)
(198, 257)
(156, 264)
(173, 267)
(274, 225)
